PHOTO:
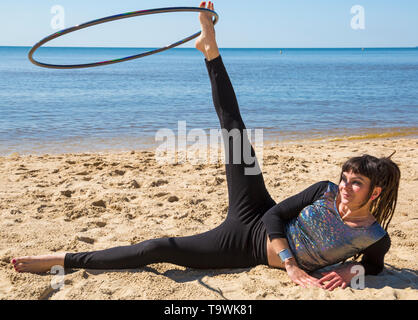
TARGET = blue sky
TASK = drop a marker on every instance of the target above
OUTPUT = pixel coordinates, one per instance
(265, 23)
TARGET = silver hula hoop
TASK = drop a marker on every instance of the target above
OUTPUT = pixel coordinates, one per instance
(113, 18)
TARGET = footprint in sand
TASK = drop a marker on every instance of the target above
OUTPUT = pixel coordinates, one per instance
(160, 194)
(67, 193)
(85, 239)
(158, 183)
(99, 203)
(173, 199)
(100, 224)
(134, 185)
(83, 173)
(117, 173)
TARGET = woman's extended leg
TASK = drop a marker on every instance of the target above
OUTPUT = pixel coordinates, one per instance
(217, 248)
(222, 247)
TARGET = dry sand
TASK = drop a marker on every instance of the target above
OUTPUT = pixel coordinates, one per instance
(84, 202)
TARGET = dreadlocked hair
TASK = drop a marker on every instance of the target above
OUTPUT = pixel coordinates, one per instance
(382, 173)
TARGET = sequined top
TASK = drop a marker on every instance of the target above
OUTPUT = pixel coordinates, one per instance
(318, 237)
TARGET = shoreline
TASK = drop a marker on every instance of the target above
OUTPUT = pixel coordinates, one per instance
(270, 137)
(222, 48)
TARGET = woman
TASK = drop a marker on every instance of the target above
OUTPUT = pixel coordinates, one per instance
(323, 225)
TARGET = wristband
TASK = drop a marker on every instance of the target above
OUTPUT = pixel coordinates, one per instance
(285, 254)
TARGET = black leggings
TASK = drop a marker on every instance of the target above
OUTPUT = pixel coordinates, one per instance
(238, 242)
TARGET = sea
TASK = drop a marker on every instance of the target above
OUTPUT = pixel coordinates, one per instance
(288, 94)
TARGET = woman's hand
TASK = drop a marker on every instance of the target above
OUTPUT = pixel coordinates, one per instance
(340, 277)
(300, 277)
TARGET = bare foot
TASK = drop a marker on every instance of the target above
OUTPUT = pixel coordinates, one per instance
(38, 264)
(206, 43)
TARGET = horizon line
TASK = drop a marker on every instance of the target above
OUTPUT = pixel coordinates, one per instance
(151, 47)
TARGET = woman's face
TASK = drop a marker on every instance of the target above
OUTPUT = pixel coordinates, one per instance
(354, 189)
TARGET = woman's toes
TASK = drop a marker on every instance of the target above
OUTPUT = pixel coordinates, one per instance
(23, 268)
(20, 260)
(19, 265)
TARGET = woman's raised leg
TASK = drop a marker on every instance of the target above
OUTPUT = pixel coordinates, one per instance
(248, 196)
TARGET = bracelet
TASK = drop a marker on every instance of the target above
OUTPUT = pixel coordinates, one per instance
(285, 254)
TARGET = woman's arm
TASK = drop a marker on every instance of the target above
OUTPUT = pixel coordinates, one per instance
(275, 218)
(372, 262)
(296, 274)
(275, 221)
(373, 256)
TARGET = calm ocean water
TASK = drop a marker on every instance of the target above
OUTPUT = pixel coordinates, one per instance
(296, 94)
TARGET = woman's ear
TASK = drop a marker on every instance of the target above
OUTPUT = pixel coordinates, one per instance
(376, 193)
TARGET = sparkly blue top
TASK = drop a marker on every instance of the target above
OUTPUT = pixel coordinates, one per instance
(318, 237)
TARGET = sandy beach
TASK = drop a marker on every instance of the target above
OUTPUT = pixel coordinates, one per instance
(92, 201)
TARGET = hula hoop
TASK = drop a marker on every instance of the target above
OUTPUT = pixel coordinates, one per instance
(113, 18)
